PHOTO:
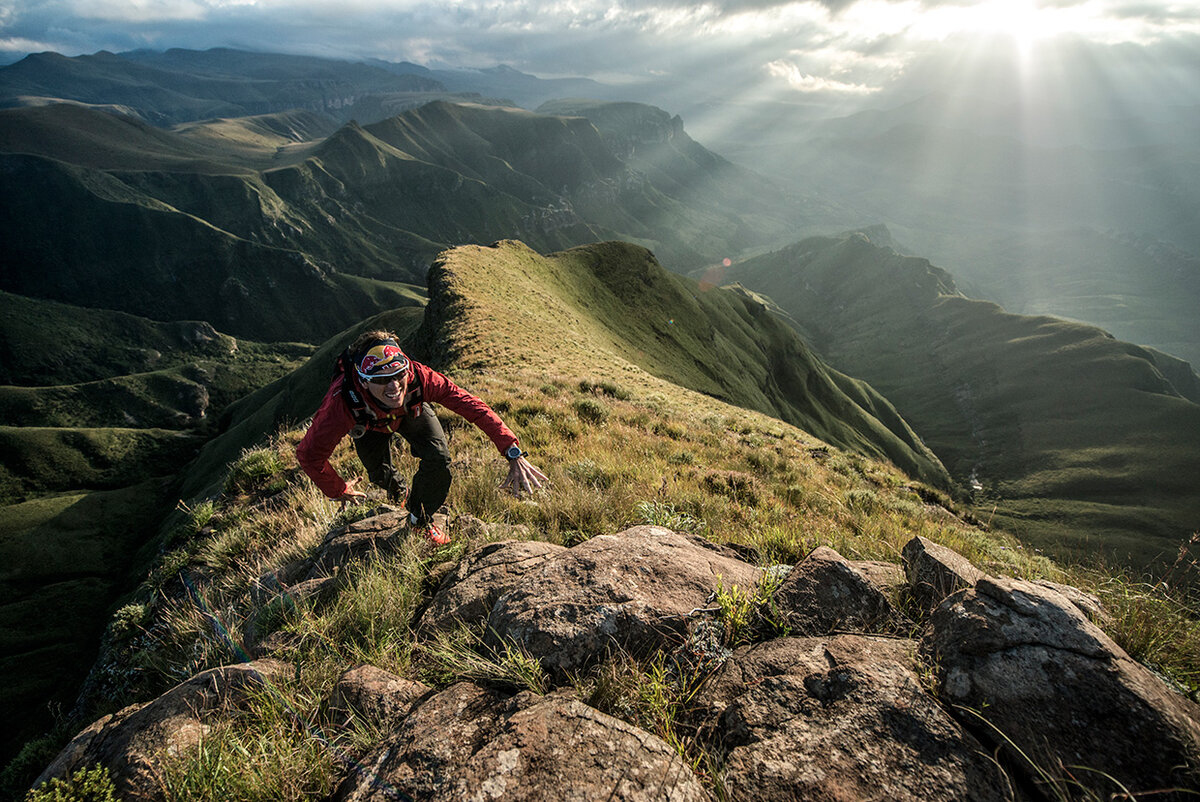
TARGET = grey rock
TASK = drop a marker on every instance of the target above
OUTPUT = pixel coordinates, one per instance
(378, 696)
(634, 590)
(469, 592)
(934, 571)
(470, 743)
(839, 718)
(825, 593)
(1054, 686)
(132, 743)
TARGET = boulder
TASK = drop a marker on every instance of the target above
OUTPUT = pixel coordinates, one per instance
(634, 590)
(1087, 603)
(838, 718)
(934, 571)
(1051, 684)
(132, 742)
(471, 743)
(469, 592)
(356, 541)
(825, 593)
(375, 695)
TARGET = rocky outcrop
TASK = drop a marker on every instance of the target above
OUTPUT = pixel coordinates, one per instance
(842, 717)
(470, 743)
(934, 571)
(133, 742)
(1048, 686)
(634, 590)
(472, 589)
(1011, 692)
(826, 593)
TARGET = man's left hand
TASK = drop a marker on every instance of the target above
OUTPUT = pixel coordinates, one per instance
(522, 477)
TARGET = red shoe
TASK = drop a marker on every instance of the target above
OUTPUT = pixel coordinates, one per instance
(431, 530)
(436, 536)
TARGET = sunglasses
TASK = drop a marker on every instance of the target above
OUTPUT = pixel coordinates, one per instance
(399, 377)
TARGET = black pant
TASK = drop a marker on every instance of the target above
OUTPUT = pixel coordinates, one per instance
(431, 483)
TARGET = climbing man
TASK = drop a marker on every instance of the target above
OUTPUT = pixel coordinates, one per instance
(377, 391)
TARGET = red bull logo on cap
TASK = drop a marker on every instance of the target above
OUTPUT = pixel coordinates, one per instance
(383, 360)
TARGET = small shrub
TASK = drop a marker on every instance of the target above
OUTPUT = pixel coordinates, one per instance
(863, 500)
(127, 621)
(587, 472)
(86, 785)
(734, 485)
(256, 471)
(604, 388)
(591, 410)
(681, 458)
(669, 429)
(659, 513)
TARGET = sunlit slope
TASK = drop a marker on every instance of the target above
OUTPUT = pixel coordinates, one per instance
(1079, 439)
(611, 309)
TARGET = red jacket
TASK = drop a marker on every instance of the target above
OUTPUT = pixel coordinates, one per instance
(334, 420)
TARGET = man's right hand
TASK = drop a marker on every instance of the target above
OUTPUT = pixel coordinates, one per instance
(350, 495)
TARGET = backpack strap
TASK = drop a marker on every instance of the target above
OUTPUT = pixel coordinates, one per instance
(363, 415)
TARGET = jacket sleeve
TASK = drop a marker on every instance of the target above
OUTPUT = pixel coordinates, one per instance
(330, 424)
(440, 389)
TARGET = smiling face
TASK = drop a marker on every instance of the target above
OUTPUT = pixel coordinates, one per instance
(390, 395)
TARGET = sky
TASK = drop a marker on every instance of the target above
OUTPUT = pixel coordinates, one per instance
(828, 50)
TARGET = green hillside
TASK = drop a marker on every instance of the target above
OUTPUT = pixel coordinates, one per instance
(613, 305)
(1080, 442)
(198, 225)
(571, 350)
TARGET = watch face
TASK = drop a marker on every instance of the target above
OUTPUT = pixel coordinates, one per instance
(513, 452)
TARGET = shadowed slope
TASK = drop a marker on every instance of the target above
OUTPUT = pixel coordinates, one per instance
(1081, 440)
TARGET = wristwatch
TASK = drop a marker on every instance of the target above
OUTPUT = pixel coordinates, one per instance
(514, 452)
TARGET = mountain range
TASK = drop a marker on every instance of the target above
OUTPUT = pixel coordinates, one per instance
(189, 238)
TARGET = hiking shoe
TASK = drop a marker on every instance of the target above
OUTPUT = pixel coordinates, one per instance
(435, 533)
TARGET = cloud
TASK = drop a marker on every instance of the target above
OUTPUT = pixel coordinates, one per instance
(810, 48)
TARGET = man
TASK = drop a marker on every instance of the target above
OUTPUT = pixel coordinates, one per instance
(380, 391)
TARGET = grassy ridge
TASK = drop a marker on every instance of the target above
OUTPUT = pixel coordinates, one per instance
(1079, 441)
(613, 304)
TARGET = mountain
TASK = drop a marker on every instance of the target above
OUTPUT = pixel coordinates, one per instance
(1026, 212)
(270, 231)
(181, 85)
(670, 575)
(1079, 441)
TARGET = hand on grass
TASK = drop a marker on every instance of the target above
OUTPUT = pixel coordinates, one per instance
(522, 477)
(350, 495)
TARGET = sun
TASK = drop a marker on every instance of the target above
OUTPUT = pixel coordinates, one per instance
(1025, 22)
